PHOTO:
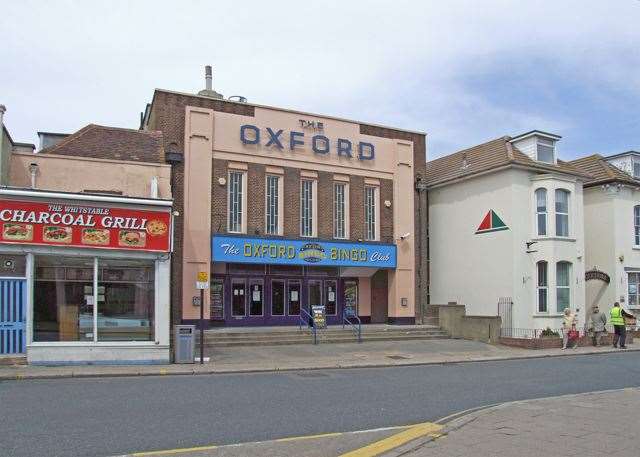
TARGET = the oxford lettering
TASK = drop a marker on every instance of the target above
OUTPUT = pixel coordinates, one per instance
(320, 144)
(271, 250)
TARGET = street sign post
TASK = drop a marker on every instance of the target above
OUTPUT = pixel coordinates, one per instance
(202, 283)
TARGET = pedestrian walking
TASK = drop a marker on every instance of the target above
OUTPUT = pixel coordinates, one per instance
(619, 326)
(568, 326)
(598, 325)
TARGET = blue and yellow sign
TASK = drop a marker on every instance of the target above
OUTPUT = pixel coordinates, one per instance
(280, 251)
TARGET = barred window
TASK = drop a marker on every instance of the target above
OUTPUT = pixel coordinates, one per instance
(273, 197)
(370, 212)
(235, 201)
(339, 210)
(306, 208)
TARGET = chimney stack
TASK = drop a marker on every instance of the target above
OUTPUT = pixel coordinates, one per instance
(208, 90)
(208, 77)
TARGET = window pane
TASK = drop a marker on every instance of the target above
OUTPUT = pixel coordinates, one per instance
(331, 297)
(542, 273)
(562, 299)
(351, 296)
(636, 224)
(562, 225)
(256, 299)
(272, 205)
(235, 201)
(63, 299)
(306, 208)
(562, 273)
(542, 224)
(562, 201)
(541, 200)
(294, 298)
(542, 300)
(339, 210)
(277, 298)
(545, 153)
(370, 212)
(126, 291)
(636, 169)
(238, 297)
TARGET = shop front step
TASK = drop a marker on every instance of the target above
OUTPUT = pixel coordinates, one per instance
(226, 339)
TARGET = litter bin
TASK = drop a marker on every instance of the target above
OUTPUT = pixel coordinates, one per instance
(185, 347)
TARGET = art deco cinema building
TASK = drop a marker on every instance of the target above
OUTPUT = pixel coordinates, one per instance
(287, 209)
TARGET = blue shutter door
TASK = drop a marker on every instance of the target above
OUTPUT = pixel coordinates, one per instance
(13, 300)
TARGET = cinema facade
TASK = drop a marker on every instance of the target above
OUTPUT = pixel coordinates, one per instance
(286, 210)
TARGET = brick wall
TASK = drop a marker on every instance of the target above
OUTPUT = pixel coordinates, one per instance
(219, 197)
(291, 187)
(255, 199)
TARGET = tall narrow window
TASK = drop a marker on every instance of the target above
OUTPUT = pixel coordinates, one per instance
(272, 203)
(541, 211)
(636, 169)
(563, 286)
(636, 224)
(542, 286)
(306, 208)
(339, 210)
(370, 212)
(562, 212)
(236, 194)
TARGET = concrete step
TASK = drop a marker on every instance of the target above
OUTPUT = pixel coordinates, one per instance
(293, 331)
(323, 339)
(304, 334)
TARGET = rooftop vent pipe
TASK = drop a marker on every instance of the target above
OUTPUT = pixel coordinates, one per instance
(208, 79)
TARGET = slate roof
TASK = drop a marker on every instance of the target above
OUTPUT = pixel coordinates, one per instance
(102, 142)
(602, 172)
(488, 157)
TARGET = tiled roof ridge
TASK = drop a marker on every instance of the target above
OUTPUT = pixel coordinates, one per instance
(69, 138)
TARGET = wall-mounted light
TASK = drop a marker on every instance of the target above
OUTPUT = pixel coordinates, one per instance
(222, 181)
(405, 236)
(387, 203)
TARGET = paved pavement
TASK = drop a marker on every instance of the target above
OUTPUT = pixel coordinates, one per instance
(302, 357)
(114, 416)
(586, 425)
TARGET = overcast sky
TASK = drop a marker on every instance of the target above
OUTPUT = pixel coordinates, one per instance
(462, 71)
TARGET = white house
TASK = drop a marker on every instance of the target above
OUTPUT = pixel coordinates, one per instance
(629, 162)
(506, 225)
(612, 231)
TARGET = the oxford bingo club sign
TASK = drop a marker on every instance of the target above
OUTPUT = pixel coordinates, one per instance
(302, 252)
(63, 224)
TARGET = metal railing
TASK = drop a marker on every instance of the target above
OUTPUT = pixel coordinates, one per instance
(531, 333)
(357, 329)
(309, 320)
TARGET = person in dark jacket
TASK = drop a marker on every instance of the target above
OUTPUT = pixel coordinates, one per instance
(619, 326)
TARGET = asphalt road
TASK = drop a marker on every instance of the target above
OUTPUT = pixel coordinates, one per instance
(113, 416)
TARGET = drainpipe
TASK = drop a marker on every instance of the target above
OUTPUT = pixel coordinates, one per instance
(423, 248)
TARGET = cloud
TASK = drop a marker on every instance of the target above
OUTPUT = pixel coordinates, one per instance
(463, 71)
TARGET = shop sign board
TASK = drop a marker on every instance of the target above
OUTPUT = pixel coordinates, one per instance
(319, 314)
(280, 251)
(89, 226)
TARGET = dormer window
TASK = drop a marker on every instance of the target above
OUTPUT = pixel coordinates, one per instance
(545, 151)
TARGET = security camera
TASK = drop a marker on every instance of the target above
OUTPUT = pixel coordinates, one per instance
(405, 236)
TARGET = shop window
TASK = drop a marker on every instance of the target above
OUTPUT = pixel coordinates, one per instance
(63, 299)
(236, 202)
(331, 297)
(126, 291)
(563, 286)
(307, 207)
(217, 299)
(636, 224)
(542, 288)
(370, 213)
(562, 212)
(541, 211)
(340, 217)
(238, 298)
(633, 293)
(277, 298)
(294, 298)
(272, 225)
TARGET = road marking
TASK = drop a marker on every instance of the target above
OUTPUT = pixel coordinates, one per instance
(173, 451)
(394, 441)
(307, 437)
